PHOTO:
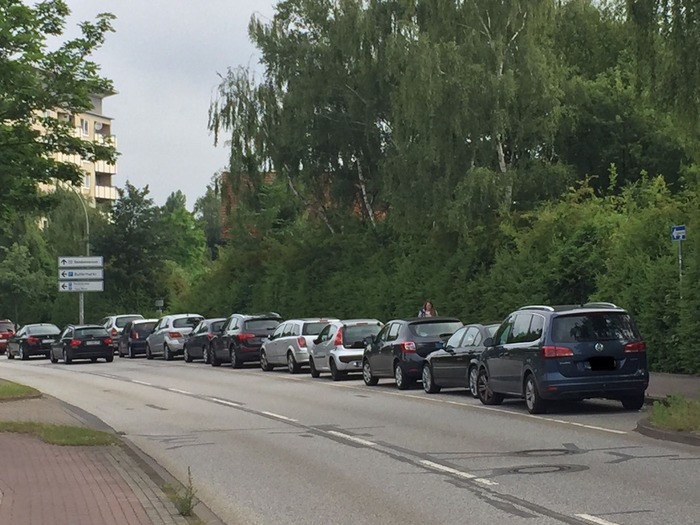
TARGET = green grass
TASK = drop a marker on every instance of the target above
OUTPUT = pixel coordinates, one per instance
(60, 434)
(184, 499)
(10, 390)
(676, 413)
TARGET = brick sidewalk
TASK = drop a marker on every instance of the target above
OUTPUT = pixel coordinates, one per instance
(42, 484)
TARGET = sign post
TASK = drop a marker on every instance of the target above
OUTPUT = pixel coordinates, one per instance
(678, 234)
(80, 274)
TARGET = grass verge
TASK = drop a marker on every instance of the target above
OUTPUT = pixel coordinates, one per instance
(10, 391)
(60, 434)
(676, 413)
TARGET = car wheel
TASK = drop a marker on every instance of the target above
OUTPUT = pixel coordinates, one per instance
(23, 353)
(149, 355)
(109, 358)
(205, 355)
(93, 359)
(471, 381)
(292, 365)
(215, 360)
(53, 358)
(486, 395)
(10, 355)
(235, 362)
(263, 362)
(336, 374)
(633, 402)
(66, 357)
(535, 404)
(167, 355)
(402, 382)
(369, 379)
(429, 381)
(312, 367)
(186, 355)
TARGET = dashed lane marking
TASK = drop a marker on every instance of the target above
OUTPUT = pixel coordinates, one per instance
(224, 402)
(460, 474)
(284, 418)
(141, 382)
(181, 391)
(354, 439)
(594, 519)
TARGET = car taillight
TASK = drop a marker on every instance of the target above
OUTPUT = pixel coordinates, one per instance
(636, 347)
(74, 342)
(557, 351)
(338, 341)
(408, 347)
(114, 332)
(134, 334)
(108, 340)
(32, 340)
(245, 336)
(301, 341)
(174, 335)
(210, 336)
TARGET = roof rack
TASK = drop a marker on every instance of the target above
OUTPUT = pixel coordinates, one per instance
(600, 305)
(537, 307)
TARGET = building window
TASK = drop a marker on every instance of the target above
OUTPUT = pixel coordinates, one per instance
(86, 183)
(84, 127)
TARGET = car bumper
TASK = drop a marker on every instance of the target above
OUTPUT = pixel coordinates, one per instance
(348, 361)
(38, 350)
(301, 357)
(246, 354)
(413, 367)
(604, 387)
(176, 345)
(138, 347)
(89, 353)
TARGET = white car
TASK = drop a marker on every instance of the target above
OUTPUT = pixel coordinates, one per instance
(339, 347)
(288, 345)
(114, 324)
(168, 336)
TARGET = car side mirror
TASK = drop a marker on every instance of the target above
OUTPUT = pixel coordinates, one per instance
(489, 342)
(316, 341)
(369, 340)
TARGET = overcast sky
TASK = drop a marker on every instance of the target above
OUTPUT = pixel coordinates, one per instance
(164, 58)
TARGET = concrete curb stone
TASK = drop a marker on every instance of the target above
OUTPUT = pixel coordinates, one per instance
(645, 428)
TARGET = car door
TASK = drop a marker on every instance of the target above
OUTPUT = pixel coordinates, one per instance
(220, 342)
(495, 356)
(273, 348)
(14, 341)
(523, 345)
(440, 359)
(385, 359)
(62, 342)
(321, 348)
(459, 362)
(122, 345)
(371, 352)
(158, 336)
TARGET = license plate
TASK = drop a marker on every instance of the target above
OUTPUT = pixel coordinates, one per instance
(602, 363)
(93, 342)
(48, 340)
(3, 340)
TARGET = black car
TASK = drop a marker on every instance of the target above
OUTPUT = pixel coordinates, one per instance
(198, 343)
(132, 340)
(32, 339)
(241, 337)
(545, 353)
(82, 342)
(400, 349)
(456, 365)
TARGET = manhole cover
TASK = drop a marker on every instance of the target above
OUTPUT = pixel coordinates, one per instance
(546, 452)
(545, 469)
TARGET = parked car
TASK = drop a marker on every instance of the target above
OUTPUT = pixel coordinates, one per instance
(168, 336)
(198, 343)
(91, 342)
(7, 330)
(132, 341)
(339, 347)
(241, 337)
(32, 339)
(400, 348)
(456, 365)
(289, 344)
(545, 353)
(114, 324)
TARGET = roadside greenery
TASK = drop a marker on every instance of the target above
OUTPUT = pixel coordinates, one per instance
(60, 434)
(14, 391)
(676, 413)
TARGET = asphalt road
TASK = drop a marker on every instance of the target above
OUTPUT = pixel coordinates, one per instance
(273, 448)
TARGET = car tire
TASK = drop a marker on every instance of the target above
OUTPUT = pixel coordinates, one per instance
(486, 395)
(336, 374)
(167, 354)
(367, 376)
(10, 355)
(67, 359)
(292, 365)
(312, 368)
(429, 380)
(23, 353)
(535, 404)
(149, 355)
(235, 362)
(53, 358)
(402, 382)
(109, 358)
(93, 360)
(186, 355)
(266, 367)
(635, 402)
(472, 375)
(215, 360)
(205, 355)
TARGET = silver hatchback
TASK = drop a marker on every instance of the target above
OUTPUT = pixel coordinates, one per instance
(168, 336)
(289, 343)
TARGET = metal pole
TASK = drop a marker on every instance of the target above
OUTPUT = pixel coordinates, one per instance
(81, 298)
(680, 268)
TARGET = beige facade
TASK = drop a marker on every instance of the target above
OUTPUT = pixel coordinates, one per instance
(98, 181)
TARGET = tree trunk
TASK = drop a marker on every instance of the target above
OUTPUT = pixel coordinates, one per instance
(321, 212)
(365, 197)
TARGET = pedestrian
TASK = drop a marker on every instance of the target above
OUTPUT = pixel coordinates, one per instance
(428, 310)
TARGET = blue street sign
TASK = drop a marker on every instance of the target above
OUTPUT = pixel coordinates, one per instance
(678, 233)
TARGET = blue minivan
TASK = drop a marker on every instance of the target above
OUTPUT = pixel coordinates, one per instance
(546, 353)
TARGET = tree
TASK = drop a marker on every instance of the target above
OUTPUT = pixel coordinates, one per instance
(207, 212)
(25, 286)
(35, 83)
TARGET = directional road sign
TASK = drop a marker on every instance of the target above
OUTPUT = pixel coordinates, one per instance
(80, 262)
(678, 233)
(73, 275)
(81, 286)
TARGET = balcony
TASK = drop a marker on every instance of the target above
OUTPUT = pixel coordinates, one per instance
(106, 193)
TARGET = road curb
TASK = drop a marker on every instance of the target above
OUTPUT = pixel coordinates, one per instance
(645, 428)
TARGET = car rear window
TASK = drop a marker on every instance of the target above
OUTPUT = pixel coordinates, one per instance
(6, 327)
(186, 322)
(121, 321)
(216, 326)
(45, 329)
(435, 328)
(313, 328)
(262, 324)
(491, 329)
(354, 335)
(144, 328)
(94, 332)
(604, 326)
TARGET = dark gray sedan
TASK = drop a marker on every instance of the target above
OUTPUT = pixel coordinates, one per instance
(32, 339)
(82, 342)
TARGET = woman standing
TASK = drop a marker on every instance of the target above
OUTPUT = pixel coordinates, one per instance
(428, 310)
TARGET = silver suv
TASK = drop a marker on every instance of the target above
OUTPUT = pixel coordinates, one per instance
(168, 336)
(289, 344)
(339, 347)
(114, 324)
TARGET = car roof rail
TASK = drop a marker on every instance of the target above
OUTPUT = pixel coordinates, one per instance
(537, 307)
(599, 304)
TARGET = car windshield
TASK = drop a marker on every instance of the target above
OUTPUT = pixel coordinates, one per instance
(262, 324)
(491, 329)
(354, 335)
(604, 326)
(121, 321)
(7, 327)
(216, 326)
(90, 332)
(186, 322)
(144, 328)
(47, 329)
(313, 328)
(435, 328)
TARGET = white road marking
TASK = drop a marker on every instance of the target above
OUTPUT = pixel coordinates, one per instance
(141, 382)
(449, 470)
(593, 427)
(180, 391)
(354, 439)
(272, 414)
(223, 402)
(484, 481)
(593, 519)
